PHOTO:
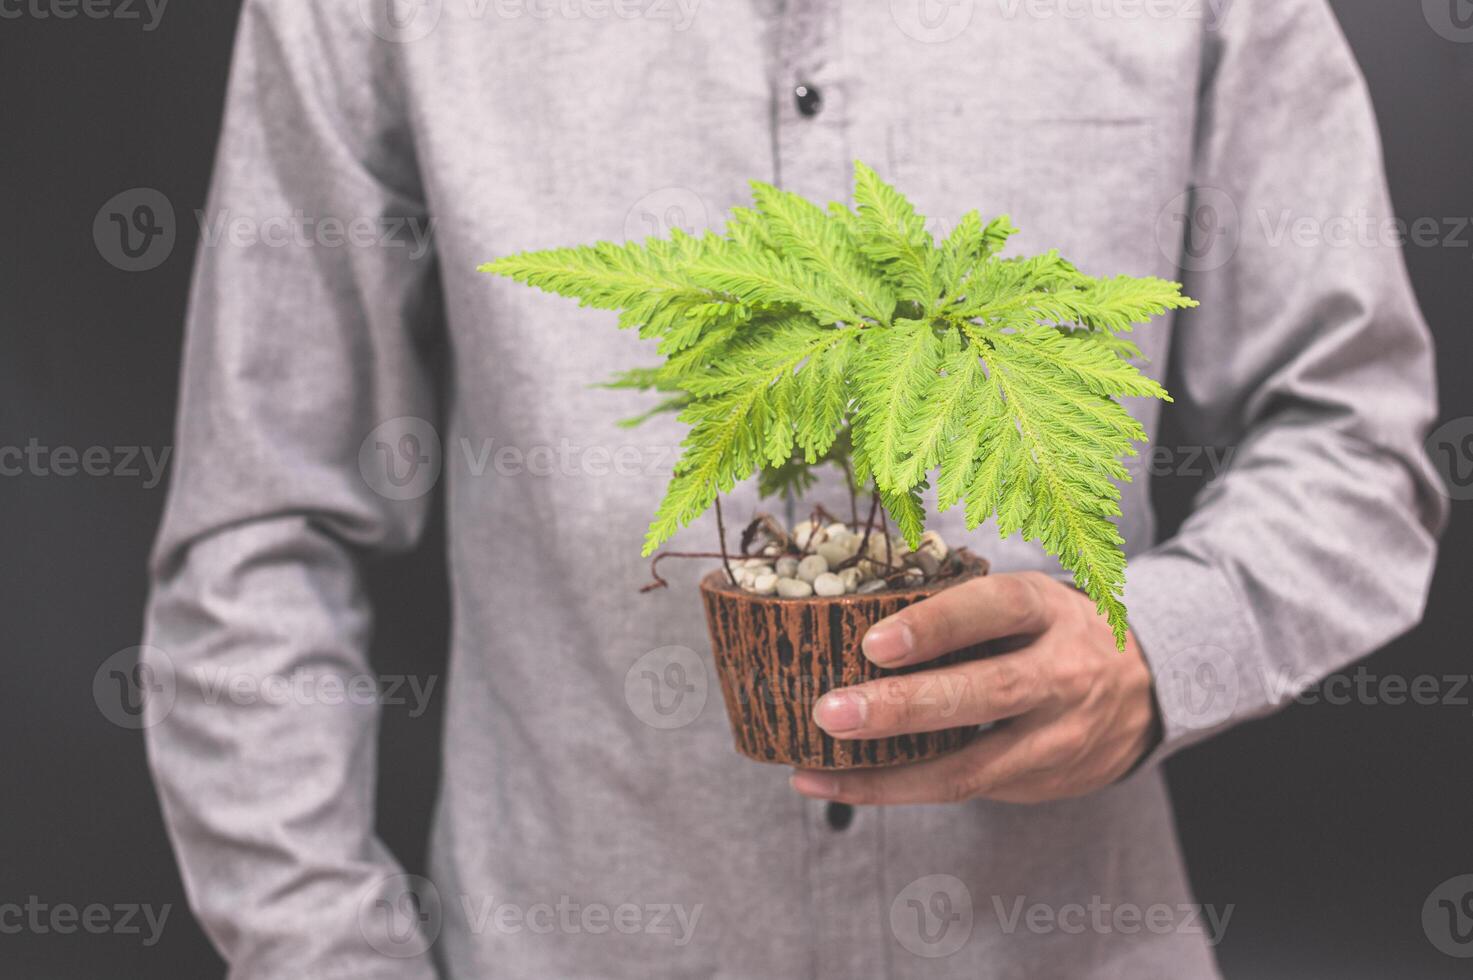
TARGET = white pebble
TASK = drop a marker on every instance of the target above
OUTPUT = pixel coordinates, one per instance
(836, 528)
(931, 542)
(787, 567)
(851, 577)
(765, 584)
(812, 567)
(835, 553)
(828, 584)
(873, 585)
(879, 543)
(793, 588)
(807, 533)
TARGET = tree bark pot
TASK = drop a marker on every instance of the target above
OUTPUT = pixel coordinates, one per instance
(776, 657)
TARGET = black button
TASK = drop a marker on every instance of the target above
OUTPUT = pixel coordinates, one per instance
(840, 815)
(809, 99)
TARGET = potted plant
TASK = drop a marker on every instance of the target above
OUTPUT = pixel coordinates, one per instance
(849, 337)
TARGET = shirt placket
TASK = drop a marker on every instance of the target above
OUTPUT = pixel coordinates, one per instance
(812, 158)
(811, 151)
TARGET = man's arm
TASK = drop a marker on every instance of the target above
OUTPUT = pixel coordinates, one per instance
(1309, 358)
(306, 331)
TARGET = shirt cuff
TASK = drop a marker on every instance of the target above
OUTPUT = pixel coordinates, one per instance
(1200, 642)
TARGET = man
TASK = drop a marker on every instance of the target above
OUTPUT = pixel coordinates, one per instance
(579, 833)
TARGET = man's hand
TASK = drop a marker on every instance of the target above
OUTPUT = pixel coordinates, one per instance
(1073, 713)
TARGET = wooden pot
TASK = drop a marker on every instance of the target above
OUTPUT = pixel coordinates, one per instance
(776, 657)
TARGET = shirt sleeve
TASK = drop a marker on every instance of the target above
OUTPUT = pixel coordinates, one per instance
(1310, 361)
(307, 370)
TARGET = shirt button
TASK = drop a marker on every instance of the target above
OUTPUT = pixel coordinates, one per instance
(808, 98)
(840, 815)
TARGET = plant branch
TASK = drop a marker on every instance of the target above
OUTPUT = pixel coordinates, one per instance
(721, 530)
(659, 581)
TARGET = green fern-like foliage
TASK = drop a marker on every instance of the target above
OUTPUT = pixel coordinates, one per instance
(805, 336)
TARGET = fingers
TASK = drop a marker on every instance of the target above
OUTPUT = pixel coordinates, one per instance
(982, 609)
(973, 693)
(993, 760)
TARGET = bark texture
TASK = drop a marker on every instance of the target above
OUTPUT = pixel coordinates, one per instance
(776, 657)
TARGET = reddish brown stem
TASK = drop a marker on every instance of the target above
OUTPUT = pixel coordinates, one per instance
(853, 500)
(885, 529)
(721, 530)
(869, 524)
(659, 582)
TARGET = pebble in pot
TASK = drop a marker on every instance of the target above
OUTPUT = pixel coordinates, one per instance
(932, 544)
(839, 548)
(812, 567)
(828, 584)
(808, 533)
(793, 588)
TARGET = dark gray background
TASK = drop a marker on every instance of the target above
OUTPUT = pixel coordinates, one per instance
(1326, 827)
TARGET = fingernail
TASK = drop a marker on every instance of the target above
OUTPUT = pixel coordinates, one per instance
(888, 641)
(840, 711)
(815, 784)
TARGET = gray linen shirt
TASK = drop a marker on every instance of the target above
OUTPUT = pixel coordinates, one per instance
(594, 820)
